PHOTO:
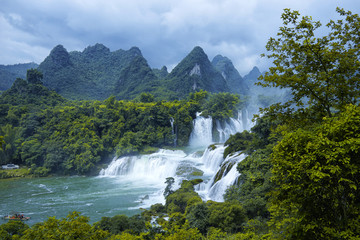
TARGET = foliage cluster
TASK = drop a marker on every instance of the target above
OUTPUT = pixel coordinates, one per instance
(322, 73)
(13, 173)
(317, 173)
(301, 177)
(254, 183)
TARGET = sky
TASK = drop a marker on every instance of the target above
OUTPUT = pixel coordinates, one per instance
(164, 30)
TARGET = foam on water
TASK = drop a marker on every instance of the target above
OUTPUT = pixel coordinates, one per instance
(155, 168)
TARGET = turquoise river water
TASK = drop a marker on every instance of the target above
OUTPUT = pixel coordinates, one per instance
(95, 197)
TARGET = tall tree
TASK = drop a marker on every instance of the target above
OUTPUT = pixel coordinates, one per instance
(322, 73)
(318, 177)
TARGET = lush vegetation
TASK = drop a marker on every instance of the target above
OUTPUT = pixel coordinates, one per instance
(49, 134)
(300, 179)
(96, 74)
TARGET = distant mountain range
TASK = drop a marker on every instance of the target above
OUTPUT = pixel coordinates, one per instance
(97, 73)
(8, 73)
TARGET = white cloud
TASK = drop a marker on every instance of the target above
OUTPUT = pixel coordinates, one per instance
(165, 31)
(15, 47)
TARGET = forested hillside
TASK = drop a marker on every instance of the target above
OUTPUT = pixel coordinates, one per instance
(91, 74)
(193, 73)
(97, 73)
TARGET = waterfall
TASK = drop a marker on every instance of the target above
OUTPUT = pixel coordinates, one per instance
(218, 173)
(154, 167)
(212, 158)
(173, 132)
(201, 136)
(245, 117)
(227, 128)
(216, 190)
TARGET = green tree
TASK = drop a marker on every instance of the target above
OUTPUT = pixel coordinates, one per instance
(227, 216)
(8, 149)
(73, 226)
(146, 97)
(322, 73)
(182, 198)
(317, 172)
(12, 230)
(120, 223)
(198, 216)
(238, 142)
(34, 76)
(221, 106)
(2, 141)
(169, 183)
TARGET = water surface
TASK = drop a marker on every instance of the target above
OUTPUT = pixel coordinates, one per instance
(95, 197)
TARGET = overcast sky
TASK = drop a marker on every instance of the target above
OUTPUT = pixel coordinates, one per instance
(164, 30)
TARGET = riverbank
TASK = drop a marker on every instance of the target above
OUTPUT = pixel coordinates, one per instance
(24, 172)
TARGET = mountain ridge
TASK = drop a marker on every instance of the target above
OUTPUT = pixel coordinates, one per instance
(97, 73)
(225, 66)
(195, 72)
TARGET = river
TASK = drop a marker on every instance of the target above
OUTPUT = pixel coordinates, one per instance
(40, 198)
(127, 184)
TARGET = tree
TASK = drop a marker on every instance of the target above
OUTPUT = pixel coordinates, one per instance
(146, 97)
(34, 76)
(120, 223)
(221, 105)
(318, 177)
(7, 143)
(198, 216)
(73, 226)
(169, 183)
(322, 73)
(182, 198)
(227, 216)
(12, 230)
(1, 141)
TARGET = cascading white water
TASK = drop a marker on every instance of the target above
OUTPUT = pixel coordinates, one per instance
(201, 136)
(173, 132)
(245, 117)
(212, 158)
(215, 191)
(227, 128)
(156, 167)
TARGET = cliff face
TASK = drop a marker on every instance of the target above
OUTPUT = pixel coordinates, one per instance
(235, 82)
(196, 72)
